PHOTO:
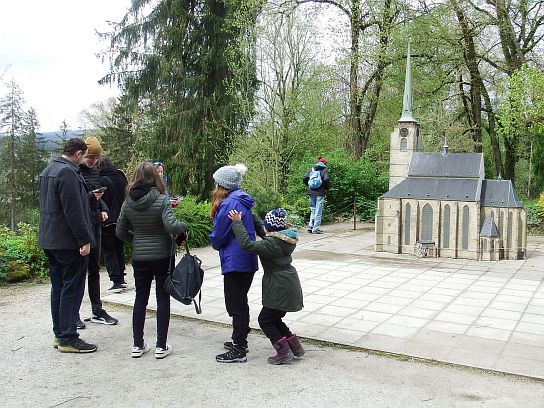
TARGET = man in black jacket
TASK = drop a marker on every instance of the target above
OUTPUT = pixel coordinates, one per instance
(316, 192)
(112, 247)
(99, 214)
(65, 235)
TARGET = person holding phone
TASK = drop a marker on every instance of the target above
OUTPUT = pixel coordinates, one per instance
(114, 185)
(65, 234)
(147, 221)
(99, 214)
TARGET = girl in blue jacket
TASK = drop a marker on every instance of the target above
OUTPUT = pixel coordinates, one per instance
(237, 265)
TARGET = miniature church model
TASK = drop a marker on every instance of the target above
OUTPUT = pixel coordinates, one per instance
(440, 204)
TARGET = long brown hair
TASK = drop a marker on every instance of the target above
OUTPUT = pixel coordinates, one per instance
(219, 193)
(145, 174)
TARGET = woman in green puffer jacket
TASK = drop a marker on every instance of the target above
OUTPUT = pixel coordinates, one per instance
(148, 222)
(282, 292)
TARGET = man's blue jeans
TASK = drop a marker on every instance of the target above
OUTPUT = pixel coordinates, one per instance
(67, 270)
(316, 209)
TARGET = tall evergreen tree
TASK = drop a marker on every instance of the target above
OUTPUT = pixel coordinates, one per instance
(11, 125)
(189, 64)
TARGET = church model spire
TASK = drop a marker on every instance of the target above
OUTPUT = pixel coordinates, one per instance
(407, 102)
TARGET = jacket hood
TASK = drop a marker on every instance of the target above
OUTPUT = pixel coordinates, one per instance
(108, 170)
(289, 235)
(319, 166)
(242, 197)
(143, 197)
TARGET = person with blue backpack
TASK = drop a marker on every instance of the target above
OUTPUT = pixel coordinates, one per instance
(318, 182)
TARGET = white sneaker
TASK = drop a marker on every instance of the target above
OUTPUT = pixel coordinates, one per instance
(139, 351)
(163, 352)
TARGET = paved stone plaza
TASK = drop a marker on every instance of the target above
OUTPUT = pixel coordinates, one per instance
(487, 314)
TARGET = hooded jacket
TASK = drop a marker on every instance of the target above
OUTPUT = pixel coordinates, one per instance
(148, 222)
(324, 177)
(232, 257)
(281, 284)
(116, 182)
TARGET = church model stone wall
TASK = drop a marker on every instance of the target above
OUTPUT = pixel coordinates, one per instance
(440, 204)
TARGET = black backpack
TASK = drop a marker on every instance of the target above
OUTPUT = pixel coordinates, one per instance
(185, 281)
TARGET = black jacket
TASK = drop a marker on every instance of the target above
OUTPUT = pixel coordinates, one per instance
(324, 177)
(64, 207)
(116, 182)
(92, 180)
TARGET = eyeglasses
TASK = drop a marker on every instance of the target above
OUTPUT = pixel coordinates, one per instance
(157, 163)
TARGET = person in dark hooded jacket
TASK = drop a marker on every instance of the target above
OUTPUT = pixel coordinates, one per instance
(148, 222)
(113, 249)
(237, 266)
(281, 288)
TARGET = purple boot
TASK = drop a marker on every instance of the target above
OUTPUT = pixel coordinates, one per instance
(283, 352)
(295, 346)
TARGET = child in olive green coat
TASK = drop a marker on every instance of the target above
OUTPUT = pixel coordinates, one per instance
(282, 292)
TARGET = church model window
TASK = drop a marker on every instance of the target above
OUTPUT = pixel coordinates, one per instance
(501, 222)
(509, 232)
(427, 221)
(407, 224)
(446, 227)
(403, 144)
(464, 243)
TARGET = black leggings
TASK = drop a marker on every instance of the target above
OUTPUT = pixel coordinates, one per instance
(236, 285)
(272, 325)
(144, 271)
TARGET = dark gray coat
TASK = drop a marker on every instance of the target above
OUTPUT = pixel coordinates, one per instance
(149, 223)
(281, 285)
(64, 207)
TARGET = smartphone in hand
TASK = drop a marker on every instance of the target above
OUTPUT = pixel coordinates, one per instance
(100, 190)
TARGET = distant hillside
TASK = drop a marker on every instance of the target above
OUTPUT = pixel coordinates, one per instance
(53, 140)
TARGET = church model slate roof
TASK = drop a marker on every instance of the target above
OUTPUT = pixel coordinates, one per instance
(453, 176)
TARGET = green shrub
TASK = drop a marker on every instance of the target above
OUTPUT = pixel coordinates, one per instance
(535, 217)
(197, 216)
(20, 257)
(351, 181)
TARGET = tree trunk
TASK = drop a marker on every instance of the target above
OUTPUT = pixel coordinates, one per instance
(471, 61)
(354, 101)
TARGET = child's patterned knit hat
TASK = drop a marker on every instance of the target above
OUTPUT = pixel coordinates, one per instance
(275, 220)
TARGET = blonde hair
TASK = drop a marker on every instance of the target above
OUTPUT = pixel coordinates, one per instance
(219, 193)
(146, 174)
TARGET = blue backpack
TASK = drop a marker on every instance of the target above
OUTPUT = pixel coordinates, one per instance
(315, 179)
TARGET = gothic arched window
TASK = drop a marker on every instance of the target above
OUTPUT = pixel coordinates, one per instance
(446, 227)
(427, 223)
(464, 242)
(407, 215)
(403, 144)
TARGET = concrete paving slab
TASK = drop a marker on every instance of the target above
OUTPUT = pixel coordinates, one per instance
(483, 314)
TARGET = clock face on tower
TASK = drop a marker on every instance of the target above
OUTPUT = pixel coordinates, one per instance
(403, 132)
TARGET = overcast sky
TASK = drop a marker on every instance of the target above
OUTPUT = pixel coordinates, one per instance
(49, 48)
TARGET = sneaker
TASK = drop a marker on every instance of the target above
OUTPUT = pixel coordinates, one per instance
(116, 288)
(79, 324)
(310, 230)
(234, 355)
(139, 351)
(103, 318)
(124, 284)
(163, 352)
(318, 231)
(229, 345)
(77, 346)
(56, 342)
